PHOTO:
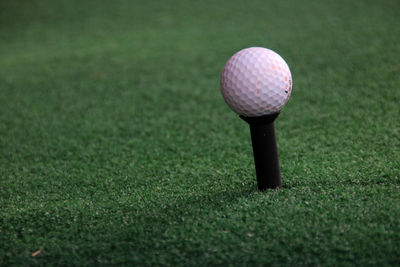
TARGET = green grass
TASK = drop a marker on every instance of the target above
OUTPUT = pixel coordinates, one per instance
(116, 146)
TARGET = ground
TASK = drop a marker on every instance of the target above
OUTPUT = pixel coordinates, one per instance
(116, 146)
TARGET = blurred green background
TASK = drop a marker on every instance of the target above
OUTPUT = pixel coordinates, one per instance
(116, 146)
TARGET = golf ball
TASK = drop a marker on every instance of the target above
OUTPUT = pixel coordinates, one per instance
(256, 81)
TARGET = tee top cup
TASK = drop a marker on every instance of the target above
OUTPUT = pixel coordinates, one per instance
(256, 83)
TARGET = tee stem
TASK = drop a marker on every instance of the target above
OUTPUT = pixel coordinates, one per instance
(265, 151)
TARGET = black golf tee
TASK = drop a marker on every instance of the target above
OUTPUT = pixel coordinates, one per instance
(265, 151)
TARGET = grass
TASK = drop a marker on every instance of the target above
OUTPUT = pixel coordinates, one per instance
(116, 146)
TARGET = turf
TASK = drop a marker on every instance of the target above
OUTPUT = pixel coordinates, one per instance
(116, 146)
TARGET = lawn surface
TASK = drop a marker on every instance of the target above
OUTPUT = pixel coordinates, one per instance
(116, 146)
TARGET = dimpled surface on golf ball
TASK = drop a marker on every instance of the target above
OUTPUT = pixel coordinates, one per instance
(256, 81)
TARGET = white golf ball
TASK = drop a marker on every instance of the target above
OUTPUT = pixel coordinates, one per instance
(256, 81)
